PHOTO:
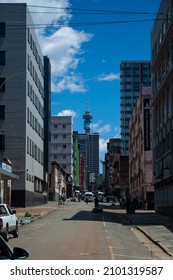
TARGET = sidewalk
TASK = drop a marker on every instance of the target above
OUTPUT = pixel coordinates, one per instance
(158, 228)
(29, 214)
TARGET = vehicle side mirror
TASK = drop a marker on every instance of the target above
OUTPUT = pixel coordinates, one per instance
(14, 211)
(20, 253)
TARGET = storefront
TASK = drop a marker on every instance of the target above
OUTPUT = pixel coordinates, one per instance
(6, 176)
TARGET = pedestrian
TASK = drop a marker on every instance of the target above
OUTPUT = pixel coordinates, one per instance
(128, 203)
(86, 200)
(63, 200)
(96, 202)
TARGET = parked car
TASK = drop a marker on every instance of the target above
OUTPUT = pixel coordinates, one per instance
(7, 253)
(110, 199)
(100, 196)
(8, 222)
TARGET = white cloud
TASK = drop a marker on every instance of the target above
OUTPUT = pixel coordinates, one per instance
(67, 113)
(106, 128)
(117, 132)
(96, 125)
(101, 129)
(108, 77)
(103, 145)
(72, 83)
(63, 49)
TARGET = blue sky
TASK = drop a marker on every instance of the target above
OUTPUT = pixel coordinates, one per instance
(86, 58)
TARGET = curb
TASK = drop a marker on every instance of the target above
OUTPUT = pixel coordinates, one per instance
(157, 243)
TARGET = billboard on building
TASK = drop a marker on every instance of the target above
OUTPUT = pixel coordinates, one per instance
(147, 125)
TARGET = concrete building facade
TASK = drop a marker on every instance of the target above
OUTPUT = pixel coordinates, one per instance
(62, 145)
(140, 150)
(22, 103)
(58, 183)
(162, 87)
(89, 154)
(133, 75)
(113, 149)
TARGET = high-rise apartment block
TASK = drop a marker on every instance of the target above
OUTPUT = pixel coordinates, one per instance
(133, 75)
(22, 103)
(62, 143)
(89, 151)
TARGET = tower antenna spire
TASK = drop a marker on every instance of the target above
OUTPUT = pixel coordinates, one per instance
(87, 105)
(87, 118)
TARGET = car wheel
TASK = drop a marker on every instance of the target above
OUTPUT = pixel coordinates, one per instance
(6, 235)
(16, 232)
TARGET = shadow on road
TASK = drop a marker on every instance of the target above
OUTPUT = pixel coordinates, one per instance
(114, 214)
(107, 216)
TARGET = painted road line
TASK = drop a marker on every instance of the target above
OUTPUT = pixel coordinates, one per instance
(111, 253)
(41, 225)
(104, 224)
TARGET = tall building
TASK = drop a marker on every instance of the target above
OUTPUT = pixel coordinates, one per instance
(89, 151)
(94, 156)
(133, 75)
(113, 149)
(162, 87)
(140, 150)
(22, 103)
(82, 140)
(62, 143)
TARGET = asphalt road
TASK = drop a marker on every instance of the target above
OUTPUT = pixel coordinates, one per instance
(74, 233)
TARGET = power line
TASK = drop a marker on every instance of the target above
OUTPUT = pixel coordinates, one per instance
(77, 24)
(93, 11)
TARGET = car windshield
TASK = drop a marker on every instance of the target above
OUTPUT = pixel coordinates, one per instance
(2, 210)
(88, 194)
(5, 252)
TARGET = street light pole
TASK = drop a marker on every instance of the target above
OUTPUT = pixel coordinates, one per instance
(12, 76)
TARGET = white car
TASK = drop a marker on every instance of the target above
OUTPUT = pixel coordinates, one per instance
(8, 222)
(88, 196)
(7, 253)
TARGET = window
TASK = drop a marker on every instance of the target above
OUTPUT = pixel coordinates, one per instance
(2, 57)
(2, 112)
(64, 125)
(2, 84)
(2, 29)
(2, 142)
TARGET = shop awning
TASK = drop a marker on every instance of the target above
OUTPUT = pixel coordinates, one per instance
(6, 175)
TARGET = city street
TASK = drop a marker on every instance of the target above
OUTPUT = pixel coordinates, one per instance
(73, 232)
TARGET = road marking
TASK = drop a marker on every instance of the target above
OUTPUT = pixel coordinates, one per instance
(104, 224)
(132, 257)
(41, 225)
(111, 253)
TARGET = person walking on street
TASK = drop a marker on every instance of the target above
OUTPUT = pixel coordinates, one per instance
(96, 202)
(128, 202)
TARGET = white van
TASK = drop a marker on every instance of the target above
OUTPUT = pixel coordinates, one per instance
(89, 196)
